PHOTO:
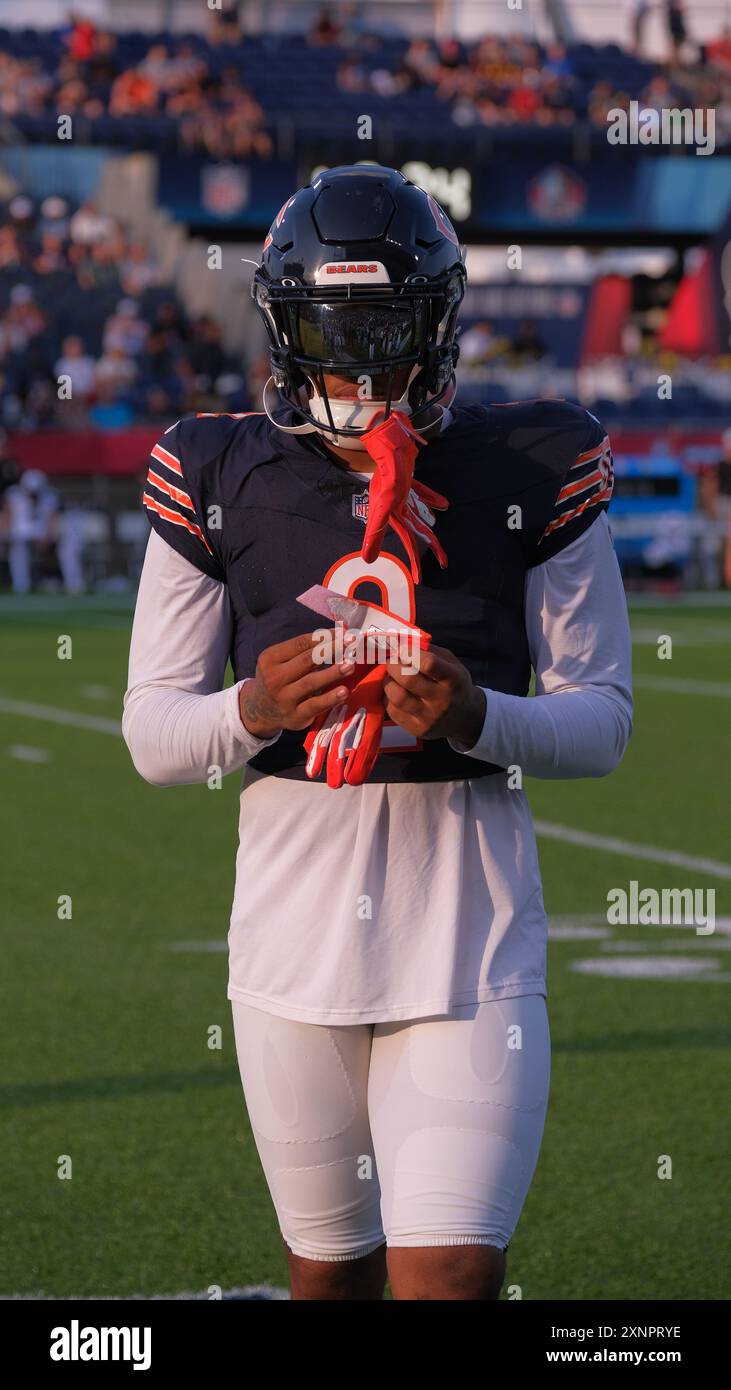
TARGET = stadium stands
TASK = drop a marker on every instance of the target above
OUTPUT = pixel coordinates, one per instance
(79, 300)
(85, 305)
(189, 93)
(168, 92)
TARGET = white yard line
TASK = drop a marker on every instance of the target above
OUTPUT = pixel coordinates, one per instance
(547, 829)
(27, 710)
(719, 636)
(678, 685)
(610, 845)
(26, 753)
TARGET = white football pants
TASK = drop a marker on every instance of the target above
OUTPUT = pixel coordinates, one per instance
(424, 1132)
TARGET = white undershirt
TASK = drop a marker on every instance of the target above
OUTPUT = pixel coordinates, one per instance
(386, 901)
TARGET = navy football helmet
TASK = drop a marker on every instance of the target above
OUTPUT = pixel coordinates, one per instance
(361, 278)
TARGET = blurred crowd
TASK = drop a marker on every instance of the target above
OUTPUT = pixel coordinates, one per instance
(195, 88)
(89, 334)
(88, 76)
(512, 81)
(500, 366)
(92, 335)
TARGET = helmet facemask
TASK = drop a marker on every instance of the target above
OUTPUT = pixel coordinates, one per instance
(342, 357)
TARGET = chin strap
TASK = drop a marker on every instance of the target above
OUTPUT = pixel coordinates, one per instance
(307, 428)
(394, 499)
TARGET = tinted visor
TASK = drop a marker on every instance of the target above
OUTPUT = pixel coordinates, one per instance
(359, 333)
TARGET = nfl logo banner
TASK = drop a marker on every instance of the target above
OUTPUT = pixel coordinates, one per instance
(360, 506)
(225, 189)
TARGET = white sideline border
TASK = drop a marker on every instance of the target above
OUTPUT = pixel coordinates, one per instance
(607, 843)
(253, 1292)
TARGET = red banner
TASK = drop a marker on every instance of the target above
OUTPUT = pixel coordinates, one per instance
(95, 451)
(125, 454)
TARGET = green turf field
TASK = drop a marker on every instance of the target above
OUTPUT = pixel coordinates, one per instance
(106, 1017)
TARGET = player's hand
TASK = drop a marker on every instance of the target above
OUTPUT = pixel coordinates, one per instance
(289, 688)
(439, 700)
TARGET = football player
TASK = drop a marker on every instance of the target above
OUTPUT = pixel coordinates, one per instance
(388, 934)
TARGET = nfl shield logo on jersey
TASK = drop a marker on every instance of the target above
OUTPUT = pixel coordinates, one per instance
(360, 506)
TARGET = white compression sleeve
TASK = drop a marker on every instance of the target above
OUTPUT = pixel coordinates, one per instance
(178, 723)
(580, 719)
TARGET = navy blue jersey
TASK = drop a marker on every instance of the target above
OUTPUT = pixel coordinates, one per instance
(270, 514)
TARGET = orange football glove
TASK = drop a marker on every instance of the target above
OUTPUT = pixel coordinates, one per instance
(394, 499)
(349, 735)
